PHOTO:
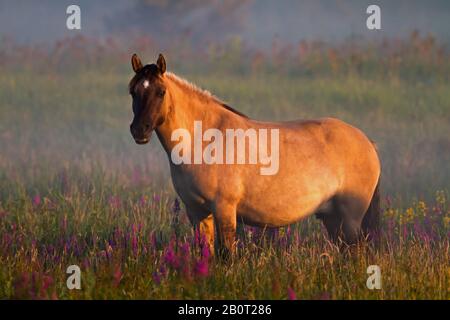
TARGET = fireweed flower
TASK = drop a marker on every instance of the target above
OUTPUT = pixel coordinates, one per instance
(170, 258)
(205, 251)
(159, 274)
(202, 267)
(291, 294)
(176, 208)
(176, 217)
(47, 281)
(156, 277)
(163, 271)
(197, 237)
(143, 201)
(36, 200)
(186, 249)
(185, 258)
(134, 244)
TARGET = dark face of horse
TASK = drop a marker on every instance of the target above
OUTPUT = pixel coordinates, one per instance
(148, 92)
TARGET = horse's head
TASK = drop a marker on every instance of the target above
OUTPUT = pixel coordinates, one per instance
(150, 105)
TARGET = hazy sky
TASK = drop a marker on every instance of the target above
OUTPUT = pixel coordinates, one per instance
(38, 21)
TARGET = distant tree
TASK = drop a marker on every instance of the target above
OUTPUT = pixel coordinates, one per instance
(197, 20)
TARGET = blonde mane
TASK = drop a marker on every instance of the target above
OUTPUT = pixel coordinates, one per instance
(199, 92)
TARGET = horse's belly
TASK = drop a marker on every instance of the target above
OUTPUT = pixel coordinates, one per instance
(281, 210)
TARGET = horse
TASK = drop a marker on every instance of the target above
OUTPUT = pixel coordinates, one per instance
(327, 167)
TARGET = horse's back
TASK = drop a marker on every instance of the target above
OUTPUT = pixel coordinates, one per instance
(319, 160)
(347, 149)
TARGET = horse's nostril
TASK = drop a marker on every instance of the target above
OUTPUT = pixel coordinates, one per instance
(147, 126)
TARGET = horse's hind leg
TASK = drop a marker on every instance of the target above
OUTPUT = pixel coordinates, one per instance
(352, 210)
(343, 221)
(333, 223)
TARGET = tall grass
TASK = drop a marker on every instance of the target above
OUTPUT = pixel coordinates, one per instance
(75, 189)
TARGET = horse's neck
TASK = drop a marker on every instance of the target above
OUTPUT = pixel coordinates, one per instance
(187, 107)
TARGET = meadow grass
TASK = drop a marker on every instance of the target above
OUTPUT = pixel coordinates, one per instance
(75, 189)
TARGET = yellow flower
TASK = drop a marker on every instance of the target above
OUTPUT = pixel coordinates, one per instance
(440, 197)
(447, 222)
(422, 208)
(409, 215)
(391, 213)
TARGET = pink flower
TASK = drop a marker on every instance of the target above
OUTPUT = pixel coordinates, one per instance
(47, 281)
(171, 259)
(205, 251)
(143, 201)
(176, 208)
(156, 277)
(291, 294)
(36, 200)
(185, 249)
(202, 268)
(134, 244)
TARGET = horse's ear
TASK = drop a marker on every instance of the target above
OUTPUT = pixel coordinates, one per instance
(161, 63)
(136, 63)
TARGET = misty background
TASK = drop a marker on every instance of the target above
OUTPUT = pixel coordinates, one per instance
(65, 110)
(258, 23)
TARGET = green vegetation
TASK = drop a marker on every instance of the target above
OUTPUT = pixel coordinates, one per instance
(76, 189)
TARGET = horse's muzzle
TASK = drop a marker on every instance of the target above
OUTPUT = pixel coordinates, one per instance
(140, 137)
(142, 141)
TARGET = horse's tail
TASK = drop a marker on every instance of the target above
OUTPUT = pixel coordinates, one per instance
(372, 219)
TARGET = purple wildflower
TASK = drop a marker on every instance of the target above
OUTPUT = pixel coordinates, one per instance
(205, 251)
(202, 267)
(291, 294)
(156, 277)
(176, 208)
(36, 200)
(171, 259)
(185, 249)
(143, 201)
(134, 244)
(47, 281)
(163, 271)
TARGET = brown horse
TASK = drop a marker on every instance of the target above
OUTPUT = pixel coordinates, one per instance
(326, 167)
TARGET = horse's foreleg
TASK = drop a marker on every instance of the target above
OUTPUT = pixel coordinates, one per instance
(204, 223)
(207, 231)
(225, 222)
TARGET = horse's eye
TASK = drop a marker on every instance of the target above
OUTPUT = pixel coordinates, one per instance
(161, 93)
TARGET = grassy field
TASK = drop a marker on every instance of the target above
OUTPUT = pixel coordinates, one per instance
(76, 189)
